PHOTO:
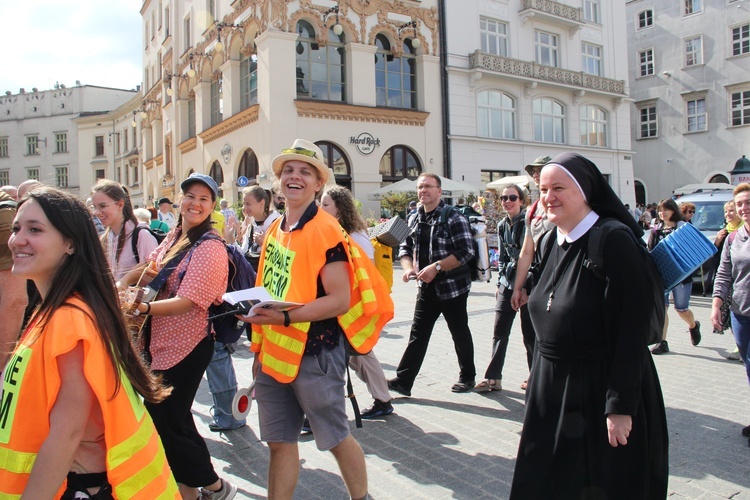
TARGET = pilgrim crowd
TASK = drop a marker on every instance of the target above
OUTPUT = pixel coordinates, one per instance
(107, 336)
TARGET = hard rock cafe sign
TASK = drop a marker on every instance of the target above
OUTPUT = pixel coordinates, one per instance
(365, 143)
(226, 153)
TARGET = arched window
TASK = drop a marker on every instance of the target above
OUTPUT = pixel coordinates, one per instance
(249, 166)
(496, 115)
(720, 178)
(321, 71)
(395, 77)
(217, 101)
(248, 81)
(549, 121)
(338, 162)
(640, 193)
(399, 162)
(217, 174)
(593, 126)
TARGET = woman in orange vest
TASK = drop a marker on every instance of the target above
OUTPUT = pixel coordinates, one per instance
(300, 361)
(71, 400)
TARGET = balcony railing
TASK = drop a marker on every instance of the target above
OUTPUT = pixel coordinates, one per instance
(565, 15)
(534, 72)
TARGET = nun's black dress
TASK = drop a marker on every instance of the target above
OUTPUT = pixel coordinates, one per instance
(591, 360)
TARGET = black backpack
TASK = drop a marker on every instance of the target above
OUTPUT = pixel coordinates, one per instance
(159, 235)
(595, 263)
(472, 266)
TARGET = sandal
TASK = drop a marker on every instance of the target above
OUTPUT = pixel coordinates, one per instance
(489, 385)
(462, 386)
(524, 385)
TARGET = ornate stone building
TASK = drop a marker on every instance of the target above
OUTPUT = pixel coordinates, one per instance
(227, 85)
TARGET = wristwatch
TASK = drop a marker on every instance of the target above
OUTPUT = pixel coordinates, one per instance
(438, 266)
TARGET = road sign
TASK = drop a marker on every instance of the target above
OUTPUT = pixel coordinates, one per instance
(242, 181)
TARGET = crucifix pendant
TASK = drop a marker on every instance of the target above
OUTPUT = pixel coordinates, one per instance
(549, 301)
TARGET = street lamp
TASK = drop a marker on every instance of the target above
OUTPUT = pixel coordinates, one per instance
(414, 24)
(219, 47)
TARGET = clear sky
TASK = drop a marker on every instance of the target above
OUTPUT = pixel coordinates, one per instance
(98, 42)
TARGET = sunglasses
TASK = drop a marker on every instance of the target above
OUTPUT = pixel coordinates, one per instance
(690, 211)
(512, 197)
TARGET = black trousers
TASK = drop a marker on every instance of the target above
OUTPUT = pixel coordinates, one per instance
(504, 316)
(426, 311)
(186, 450)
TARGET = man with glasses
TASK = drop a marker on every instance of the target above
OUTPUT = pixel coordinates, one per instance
(436, 253)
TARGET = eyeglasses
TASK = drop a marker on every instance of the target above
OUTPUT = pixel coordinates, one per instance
(300, 151)
(689, 211)
(102, 206)
(426, 186)
(511, 197)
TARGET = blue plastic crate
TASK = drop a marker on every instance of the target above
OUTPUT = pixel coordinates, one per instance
(682, 252)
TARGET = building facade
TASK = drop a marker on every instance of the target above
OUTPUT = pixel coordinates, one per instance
(228, 85)
(690, 83)
(528, 78)
(39, 138)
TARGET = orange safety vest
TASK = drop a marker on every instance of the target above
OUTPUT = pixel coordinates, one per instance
(289, 267)
(136, 464)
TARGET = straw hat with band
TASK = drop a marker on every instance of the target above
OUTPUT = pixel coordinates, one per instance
(302, 150)
(539, 162)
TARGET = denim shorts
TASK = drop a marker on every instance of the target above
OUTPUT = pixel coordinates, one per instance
(680, 296)
(317, 393)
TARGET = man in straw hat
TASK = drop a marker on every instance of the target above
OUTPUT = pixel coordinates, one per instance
(300, 353)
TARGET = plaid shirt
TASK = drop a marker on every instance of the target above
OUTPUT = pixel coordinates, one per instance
(455, 239)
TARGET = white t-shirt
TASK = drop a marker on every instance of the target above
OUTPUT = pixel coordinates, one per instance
(167, 218)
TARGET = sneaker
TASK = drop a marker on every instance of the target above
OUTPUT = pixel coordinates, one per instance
(660, 348)
(695, 333)
(395, 386)
(214, 427)
(378, 409)
(227, 492)
(306, 427)
(734, 355)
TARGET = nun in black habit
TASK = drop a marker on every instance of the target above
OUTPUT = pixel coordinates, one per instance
(595, 425)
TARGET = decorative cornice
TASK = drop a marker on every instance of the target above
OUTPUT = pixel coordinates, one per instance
(188, 145)
(236, 122)
(149, 164)
(159, 160)
(348, 112)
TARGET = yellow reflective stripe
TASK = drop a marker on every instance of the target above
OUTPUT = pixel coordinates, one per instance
(361, 274)
(8, 496)
(284, 341)
(352, 315)
(150, 472)
(364, 333)
(16, 462)
(120, 453)
(256, 338)
(279, 366)
(368, 295)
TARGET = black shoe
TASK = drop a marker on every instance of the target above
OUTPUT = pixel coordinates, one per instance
(213, 427)
(306, 429)
(463, 386)
(660, 348)
(378, 409)
(695, 333)
(395, 386)
(746, 431)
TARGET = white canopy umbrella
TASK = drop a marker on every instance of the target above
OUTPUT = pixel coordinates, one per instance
(402, 186)
(523, 181)
(451, 189)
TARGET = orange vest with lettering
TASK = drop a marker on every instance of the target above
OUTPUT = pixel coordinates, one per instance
(289, 267)
(136, 465)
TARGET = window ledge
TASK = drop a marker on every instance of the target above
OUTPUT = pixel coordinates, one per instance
(691, 132)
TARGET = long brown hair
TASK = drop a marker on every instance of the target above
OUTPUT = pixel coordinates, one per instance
(117, 193)
(348, 215)
(87, 273)
(260, 195)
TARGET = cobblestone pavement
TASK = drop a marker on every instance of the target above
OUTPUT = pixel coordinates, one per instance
(443, 445)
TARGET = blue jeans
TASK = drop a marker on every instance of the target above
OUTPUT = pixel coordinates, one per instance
(222, 382)
(680, 296)
(741, 331)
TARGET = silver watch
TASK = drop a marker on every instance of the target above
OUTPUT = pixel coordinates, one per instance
(438, 266)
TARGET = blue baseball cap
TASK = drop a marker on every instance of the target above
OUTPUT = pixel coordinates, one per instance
(202, 178)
